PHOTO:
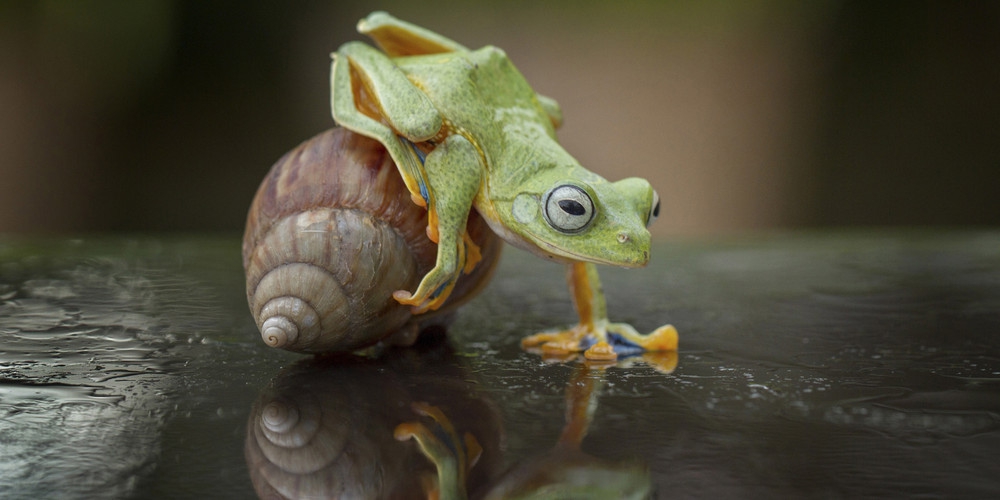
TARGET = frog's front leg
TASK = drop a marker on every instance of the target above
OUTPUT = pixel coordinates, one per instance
(597, 337)
(454, 172)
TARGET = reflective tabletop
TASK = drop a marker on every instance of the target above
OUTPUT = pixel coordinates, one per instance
(821, 364)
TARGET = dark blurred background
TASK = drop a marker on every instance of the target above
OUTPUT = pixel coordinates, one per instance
(159, 115)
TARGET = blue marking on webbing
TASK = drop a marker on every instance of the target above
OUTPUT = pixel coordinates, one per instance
(622, 347)
(420, 154)
(420, 181)
(440, 289)
(423, 191)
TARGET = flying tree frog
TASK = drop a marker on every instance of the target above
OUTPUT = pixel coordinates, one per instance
(466, 130)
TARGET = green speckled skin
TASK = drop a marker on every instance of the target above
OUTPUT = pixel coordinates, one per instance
(466, 130)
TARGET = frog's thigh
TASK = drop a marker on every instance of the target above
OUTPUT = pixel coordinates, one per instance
(346, 113)
(400, 38)
(345, 109)
(408, 110)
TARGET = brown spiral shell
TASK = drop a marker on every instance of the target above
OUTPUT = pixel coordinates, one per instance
(330, 235)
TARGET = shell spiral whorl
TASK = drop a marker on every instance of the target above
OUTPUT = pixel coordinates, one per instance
(331, 233)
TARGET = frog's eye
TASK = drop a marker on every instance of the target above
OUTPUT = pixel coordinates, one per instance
(568, 208)
(655, 211)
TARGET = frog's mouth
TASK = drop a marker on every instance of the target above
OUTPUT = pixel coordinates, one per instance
(562, 255)
(554, 251)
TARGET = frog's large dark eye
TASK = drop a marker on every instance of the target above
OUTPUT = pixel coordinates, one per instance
(568, 208)
(655, 211)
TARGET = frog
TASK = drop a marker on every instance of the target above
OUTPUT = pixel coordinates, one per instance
(468, 132)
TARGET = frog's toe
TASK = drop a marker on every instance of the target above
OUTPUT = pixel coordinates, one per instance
(600, 351)
(663, 338)
(405, 298)
(553, 344)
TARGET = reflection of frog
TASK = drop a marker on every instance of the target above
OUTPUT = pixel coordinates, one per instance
(562, 472)
(414, 422)
(466, 130)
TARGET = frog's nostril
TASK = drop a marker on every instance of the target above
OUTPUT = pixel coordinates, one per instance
(622, 237)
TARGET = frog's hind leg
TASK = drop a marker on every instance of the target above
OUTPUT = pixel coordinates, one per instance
(400, 38)
(366, 82)
(351, 109)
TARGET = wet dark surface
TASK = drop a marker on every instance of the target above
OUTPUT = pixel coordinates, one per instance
(815, 365)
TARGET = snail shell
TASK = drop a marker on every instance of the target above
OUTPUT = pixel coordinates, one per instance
(331, 234)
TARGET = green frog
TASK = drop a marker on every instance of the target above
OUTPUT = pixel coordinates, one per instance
(466, 130)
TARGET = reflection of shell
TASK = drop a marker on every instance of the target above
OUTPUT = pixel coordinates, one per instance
(294, 435)
(324, 429)
(331, 233)
(292, 438)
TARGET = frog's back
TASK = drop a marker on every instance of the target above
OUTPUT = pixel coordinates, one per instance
(469, 88)
(500, 83)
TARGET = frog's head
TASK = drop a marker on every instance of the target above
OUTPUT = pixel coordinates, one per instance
(587, 220)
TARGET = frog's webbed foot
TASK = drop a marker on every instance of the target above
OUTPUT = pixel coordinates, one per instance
(596, 337)
(454, 174)
(452, 456)
(601, 341)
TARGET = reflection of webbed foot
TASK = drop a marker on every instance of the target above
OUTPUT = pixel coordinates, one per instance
(452, 456)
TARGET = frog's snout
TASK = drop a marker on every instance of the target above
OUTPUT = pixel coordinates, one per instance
(635, 246)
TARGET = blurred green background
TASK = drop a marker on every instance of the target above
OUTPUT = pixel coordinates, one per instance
(157, 115)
